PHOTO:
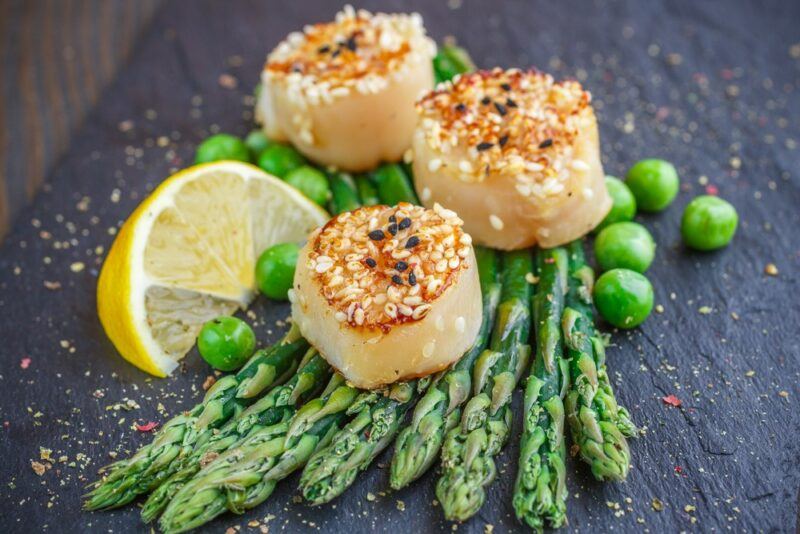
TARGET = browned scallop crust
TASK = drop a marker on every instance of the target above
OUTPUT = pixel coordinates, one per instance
(386, 293)
(343, 92)
(516, 150)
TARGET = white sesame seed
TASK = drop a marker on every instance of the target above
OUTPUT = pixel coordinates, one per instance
(579, 165)
(496, 222)
(460, 324)
(427, 350)
(421, 311)
(434, 164)
(425, 194)
(340, 316)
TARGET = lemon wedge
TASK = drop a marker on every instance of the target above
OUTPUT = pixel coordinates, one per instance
(187, 254)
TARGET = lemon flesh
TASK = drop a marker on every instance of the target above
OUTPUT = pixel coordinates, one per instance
(187, 255)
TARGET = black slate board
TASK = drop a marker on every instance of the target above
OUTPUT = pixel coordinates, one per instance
(711, 86)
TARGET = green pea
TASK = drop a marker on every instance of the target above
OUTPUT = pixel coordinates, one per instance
(222, 146)
(226, 343)
(654, 183)
(623, 203)
(708, 223)
(623, 297)
(275, 270)
(625, 245)
(311, 182)
(257, 142)
(279, 160)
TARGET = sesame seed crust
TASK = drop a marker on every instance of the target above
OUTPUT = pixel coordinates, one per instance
(507, 122)
(376, 283)
(359, 52)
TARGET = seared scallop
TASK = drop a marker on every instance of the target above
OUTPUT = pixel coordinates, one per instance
(516, 153)
(388, 293)
(343, 92)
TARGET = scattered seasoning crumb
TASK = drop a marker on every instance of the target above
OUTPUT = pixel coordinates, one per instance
(401, 505)
(77, 267)
(38, 467)
(659, 308)
(704, 310)
(147, 427)
(784, 394)
(208, 382)
(531, 278)
(370, 496)
(227, 81)
(689, 508)
(672, 400)
(771, 269)
(24, 363)
(52, 286)
(657, 504)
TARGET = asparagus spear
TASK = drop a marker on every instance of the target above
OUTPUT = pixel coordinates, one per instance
(377, 416)
(450, 61)
(597, 423)
(540, 490)
(344, 196)
(151, 464)
(469, 448)
(245, 476)
(394, 185)
(277, 406)
(367, 191)
(440, 408)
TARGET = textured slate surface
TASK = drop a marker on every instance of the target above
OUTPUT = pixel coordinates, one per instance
(711, 86)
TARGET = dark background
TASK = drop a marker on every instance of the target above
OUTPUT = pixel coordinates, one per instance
(713, 87)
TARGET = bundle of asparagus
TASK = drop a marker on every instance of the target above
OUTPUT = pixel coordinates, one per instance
(440, 409)
(277, 406)
(225, 400)
(469, 448)
(245, 475)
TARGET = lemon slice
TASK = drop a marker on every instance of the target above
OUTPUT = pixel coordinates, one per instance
(187, 254)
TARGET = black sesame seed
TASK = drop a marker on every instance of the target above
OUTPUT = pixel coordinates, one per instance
(324, 49)
(397, 280)
(510, 103)
(485, 100)
(412, 279)
(351, 43)
(484, 146)
(376, 235)
(546, 143)
(392, 228)
(461, 107)
(505, 86)
(501, 109)
(371, 262)
(401, 266)
(336, 53)
(392, 218)
(502, 141)
(405, 223)
(412, 242)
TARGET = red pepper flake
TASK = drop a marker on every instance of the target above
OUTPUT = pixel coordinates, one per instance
(146, 427)
(711, 189)
(24, 363)
(678, 469)
(672, 400)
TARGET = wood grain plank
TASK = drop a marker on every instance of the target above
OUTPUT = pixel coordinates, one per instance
(32, 127)
(5, 215)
